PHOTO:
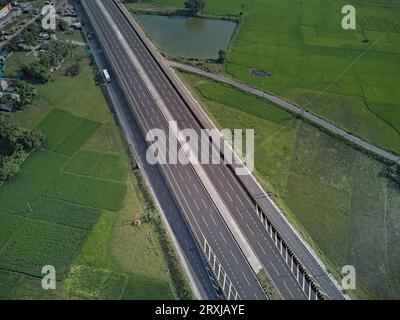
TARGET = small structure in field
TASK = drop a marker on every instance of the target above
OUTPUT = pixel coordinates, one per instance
(260, 73)
(137, 221)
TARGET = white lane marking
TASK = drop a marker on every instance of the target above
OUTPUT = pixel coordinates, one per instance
(223, 238)
(240, 214)
(205, 204)
(188, 190)
(212, 218)
(273, 266)
(230, 198)
(195, 188)
(290, 292)
(247, 280)
(241, 202)
(205, 222)
(262, 248)
(233, 256)
(248, 227)
(195, 203)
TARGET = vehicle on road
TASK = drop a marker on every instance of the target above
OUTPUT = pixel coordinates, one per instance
(106, 75)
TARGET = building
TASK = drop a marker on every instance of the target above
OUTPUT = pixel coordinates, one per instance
(13, 96)
(4, 55)
(6, 107)
(44, 36)
(24, 47)
(3, 85)
(5, 11)
(44, 45)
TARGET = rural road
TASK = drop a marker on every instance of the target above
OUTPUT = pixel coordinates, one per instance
(295, 109)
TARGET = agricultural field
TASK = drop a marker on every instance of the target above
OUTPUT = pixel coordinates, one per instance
(337, 197)
(72, 204)
(348, 77)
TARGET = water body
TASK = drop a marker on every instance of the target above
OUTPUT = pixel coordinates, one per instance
(189, 37)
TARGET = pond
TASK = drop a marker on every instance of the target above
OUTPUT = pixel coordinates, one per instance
(183, 36)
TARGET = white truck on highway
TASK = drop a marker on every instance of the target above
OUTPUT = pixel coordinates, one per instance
(106, 75)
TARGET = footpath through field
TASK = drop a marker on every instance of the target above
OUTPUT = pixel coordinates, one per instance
(289, 107)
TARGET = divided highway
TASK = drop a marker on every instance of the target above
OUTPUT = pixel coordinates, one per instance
(142, 79)
(237, 276)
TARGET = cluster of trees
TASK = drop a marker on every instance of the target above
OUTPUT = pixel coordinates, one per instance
(393, 172)
(221, 56)
(194, 6)
(6, 99)
(30, 35)
(22, 141)
(36, 72)
(39, 71)
(26, 91)
(57, 52)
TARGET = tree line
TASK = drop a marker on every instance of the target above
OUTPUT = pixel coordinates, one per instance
(22, 142)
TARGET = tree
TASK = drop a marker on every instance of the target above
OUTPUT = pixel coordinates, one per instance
(6, 99)
(8, 168)
(10, 165)
(194, 6)
(221, 56)
(62, 25)
(22, 140)
(73, 70)
(26, 91)
(31, 35)
(36, 72)
(58, 51)
(31, 139)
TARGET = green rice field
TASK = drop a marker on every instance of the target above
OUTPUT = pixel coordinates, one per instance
(72, 202)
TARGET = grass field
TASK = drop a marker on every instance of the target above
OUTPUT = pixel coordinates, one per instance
(335, 195)
(314, 62)
(72, 203)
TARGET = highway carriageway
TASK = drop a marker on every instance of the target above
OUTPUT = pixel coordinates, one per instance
(304, 264)
(236, 277)
(283, 266)
(240, 206)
